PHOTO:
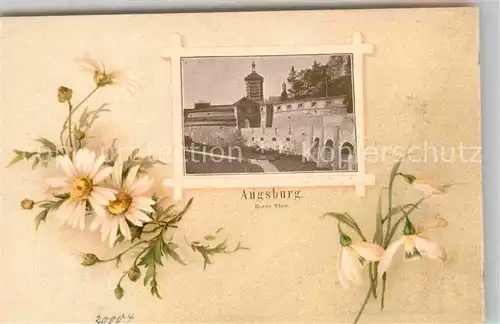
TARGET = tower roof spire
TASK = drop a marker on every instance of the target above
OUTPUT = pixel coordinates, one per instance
(253, 65)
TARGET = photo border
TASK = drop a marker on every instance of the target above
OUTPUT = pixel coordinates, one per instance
(180, 181)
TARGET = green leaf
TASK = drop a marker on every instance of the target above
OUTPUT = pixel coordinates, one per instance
(41, 217)
(46, 205)
(158, 248)
(341, 218)
(16, 159)
(47, 144)
(35, 162)
(29, 155)
(177, 217)
(379, 235)
(88, 117)
(112, 153)
(136, 232)
(134, 153)
(62, 199)
(169, 249)
(119, 239)
(150, 273)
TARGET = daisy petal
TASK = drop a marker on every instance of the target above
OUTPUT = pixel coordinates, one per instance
(64, 211)
(386, 260)
(118, 171)
(80, 211)
(142, 185)
(64, 162)
(429, 249)
(96, 223)
(98, 198)
(58, 182)
(97, 165)
(114, 231)
(107, 193)
(124, 229)
(131, 177)
(133, 219)
(97, 206)
(143, 201)
(102, 174)
(105, 228)
(140, 215)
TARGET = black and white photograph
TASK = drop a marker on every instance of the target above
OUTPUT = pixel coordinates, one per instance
(269, 114)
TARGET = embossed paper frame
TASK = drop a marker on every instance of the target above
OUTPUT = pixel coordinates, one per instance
(179, 181)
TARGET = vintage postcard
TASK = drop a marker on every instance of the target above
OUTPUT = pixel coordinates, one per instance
(269, 167)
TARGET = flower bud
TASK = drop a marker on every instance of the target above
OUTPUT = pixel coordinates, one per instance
(134, 273)
(119, 292)
(345, 240)
(64, 94)
(80, 134)
(89, 259)
(27, 204)
(409, 228)
(409, 178)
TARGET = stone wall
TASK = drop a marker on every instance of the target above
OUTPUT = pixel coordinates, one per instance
(213, 135)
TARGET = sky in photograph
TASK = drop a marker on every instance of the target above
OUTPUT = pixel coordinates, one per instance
(221, 80)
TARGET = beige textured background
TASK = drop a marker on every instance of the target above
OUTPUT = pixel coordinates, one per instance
(421, 84)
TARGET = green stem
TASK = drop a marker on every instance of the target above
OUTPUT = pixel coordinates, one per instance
(389, 208)
(139, 255)
(382, 298)
(360, 312)
(121, 278)
(73, 111)
(121, 254)
(373, 278)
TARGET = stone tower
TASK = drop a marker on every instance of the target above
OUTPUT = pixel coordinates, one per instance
(254, 83)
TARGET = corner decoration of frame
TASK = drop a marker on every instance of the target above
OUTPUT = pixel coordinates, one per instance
(185, 178)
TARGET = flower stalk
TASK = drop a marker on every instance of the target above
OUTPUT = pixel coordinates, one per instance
(386, 229)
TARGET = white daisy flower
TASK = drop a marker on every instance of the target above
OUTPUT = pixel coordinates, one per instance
(353, 258)
(131, 203)
(102, 76)
(83, 176)
(415, 244)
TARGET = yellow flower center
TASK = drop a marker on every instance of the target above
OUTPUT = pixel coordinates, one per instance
(120, 205)
(102, 79)
(81, 188)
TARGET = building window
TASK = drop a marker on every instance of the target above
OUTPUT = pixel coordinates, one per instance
(249, 110)
(288, 139)
(278, 108)
(345, 102)
(328, 102)
(262, 109)
(288, 107)
(313, 104)
(301, 105)
(253, 139)
(262, 139)
(274, 139)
